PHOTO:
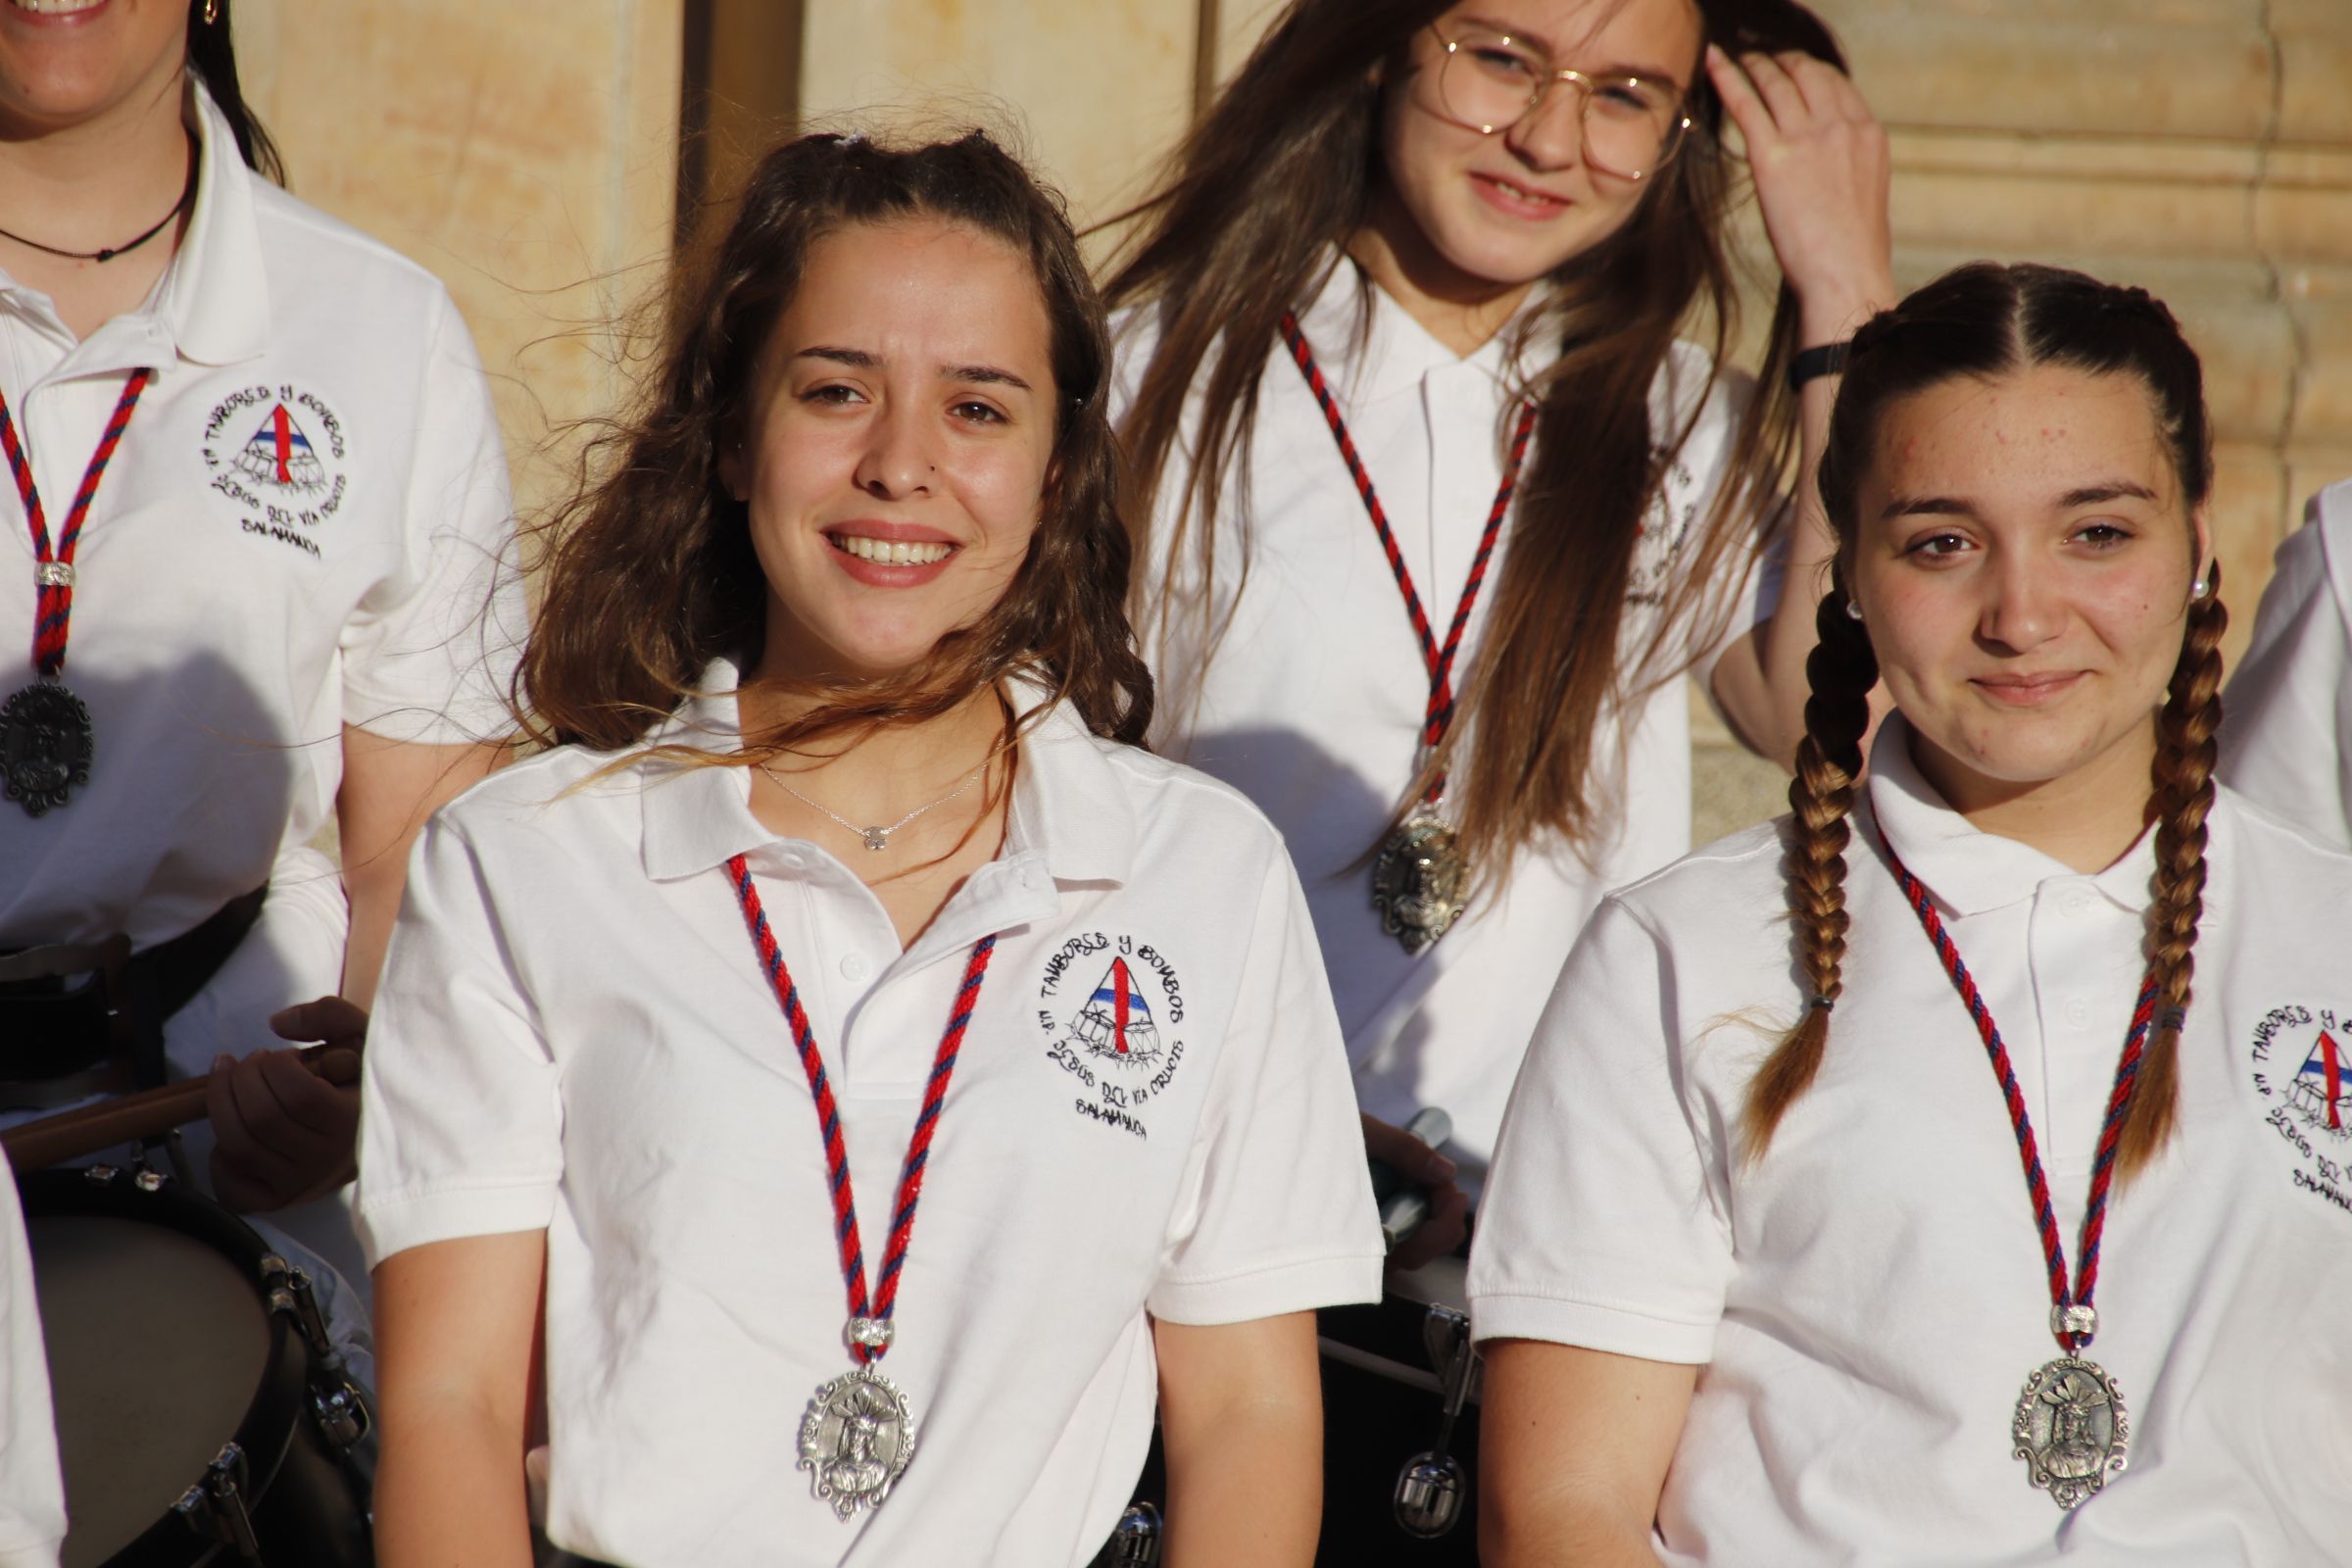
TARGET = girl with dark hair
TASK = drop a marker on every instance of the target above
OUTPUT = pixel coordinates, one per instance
(843, 886)
(258, 506)
(1786, 1300)
(1442, 511)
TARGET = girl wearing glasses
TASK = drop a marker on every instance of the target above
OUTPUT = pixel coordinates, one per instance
(1442, 511)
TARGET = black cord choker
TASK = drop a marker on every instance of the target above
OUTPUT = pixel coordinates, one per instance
(187, 194)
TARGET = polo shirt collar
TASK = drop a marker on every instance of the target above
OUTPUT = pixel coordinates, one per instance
(1398, 352)
(214, 299)
(1971, 871)
(1068, 811)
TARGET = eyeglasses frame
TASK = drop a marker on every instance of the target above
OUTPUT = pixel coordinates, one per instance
(1584, 82)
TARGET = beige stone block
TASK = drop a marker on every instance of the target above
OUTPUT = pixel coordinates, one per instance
(2315, 55)
(1238, 26)
(2322, 412)
(2303, 208)
(2193, 67)
(525, 152)
(1104, 87)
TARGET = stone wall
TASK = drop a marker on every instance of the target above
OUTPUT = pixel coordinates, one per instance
(525, 151)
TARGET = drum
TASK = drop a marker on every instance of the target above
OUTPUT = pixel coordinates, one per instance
(1400, 1425)
(202, 1417)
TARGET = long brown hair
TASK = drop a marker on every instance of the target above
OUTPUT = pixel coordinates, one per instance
(213, 56)
(1988, 320)
(1282, 172)
(651, 574)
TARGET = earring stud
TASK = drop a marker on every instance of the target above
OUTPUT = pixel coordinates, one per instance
(1854, 612)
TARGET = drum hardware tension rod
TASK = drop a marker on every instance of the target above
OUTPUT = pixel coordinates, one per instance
(1135, 1544)
(337, 1402)
(215, 1507)
(1432, 1488)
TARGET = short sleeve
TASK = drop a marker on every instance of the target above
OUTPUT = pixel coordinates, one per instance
(460, 1127)
(432, 648)
(1601, 1225)
(1275, 1214)
(33, 1492)
(2287, 727)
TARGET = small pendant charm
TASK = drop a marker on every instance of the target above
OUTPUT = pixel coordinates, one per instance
(2071, 1429)
(46, 745)
(877, 838)
(856, 1441)
(1417, 881)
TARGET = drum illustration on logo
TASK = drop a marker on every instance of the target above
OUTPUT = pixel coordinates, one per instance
(278, 455)
(2319, 1092)
(1115, 1024)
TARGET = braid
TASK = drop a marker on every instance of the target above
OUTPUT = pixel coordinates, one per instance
(2183, 780)
(1842, 669)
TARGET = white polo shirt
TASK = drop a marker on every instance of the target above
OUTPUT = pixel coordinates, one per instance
(32, 1491)
(300, 531)
(2286, 726)
(1313, 704)
(1867, 1302)
(574, 1032)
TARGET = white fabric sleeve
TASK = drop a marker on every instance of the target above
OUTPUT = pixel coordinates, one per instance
(1275, 1211)
(1603, 1225)
(1746, 589)
(2287, 725)
(429, 652)
(32, 1491)
(461, 1126)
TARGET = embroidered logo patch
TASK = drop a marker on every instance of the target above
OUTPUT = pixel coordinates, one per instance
(1115, 1036)
(1665, 530)
(276, 452)
(2302, 1064)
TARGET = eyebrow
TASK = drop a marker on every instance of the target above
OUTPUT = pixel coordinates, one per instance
(2089, 495)
(861, 359)
(1543, 46)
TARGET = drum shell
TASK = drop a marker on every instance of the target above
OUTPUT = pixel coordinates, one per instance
(308, 1505)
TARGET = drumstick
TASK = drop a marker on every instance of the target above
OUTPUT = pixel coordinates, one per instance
(149, 1113)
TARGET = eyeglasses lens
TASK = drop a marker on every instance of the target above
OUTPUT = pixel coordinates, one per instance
(1489, 82)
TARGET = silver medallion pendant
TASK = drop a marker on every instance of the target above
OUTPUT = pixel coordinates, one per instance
(856, 1441)
(2071, 1429)
(46, 745)
(1418, 879)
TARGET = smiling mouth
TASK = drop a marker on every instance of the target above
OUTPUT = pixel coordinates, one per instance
(883, 552)
(2027, 691)
(1515, 194)
(55, 8)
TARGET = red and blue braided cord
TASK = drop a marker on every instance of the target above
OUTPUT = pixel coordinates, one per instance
(53, 603)
(828, 1113)
(2119, 1103)
(1438, 660)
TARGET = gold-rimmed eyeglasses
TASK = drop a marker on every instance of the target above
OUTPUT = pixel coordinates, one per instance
(1489, 82)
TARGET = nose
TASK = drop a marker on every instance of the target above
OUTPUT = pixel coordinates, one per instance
(2021, 606)
(897, 460)
(1551, 135)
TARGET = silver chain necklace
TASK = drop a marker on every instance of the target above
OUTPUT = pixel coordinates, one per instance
(875, 838)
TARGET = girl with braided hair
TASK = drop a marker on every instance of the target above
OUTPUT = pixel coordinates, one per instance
(1758, 1276)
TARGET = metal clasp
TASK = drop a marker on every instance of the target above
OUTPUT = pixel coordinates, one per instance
(2075, 1321)
(54, 574)
(1135, 1542)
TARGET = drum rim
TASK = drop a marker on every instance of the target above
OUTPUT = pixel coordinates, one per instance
(267, 1431)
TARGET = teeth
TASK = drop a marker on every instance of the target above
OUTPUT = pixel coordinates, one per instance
(56, 8)
(891, 552)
